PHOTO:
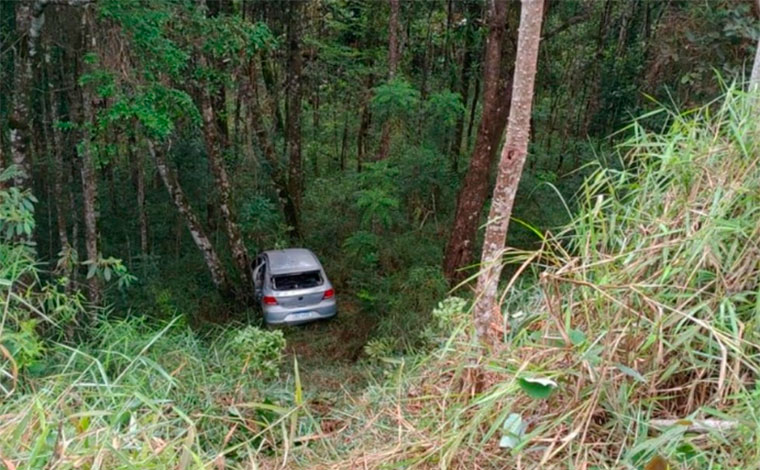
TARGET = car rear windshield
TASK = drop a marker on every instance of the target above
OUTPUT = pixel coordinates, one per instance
(297, 281)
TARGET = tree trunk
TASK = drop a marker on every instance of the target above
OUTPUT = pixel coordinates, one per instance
(279, 177)
(754, 80)
(20, 116)
(511, 163)
(138, 178)
(472, 195)
(393, 53)
(464, 92)
(270, 81)
(343, 142)
(177, 195)
(59, 169)
(293, 131)
(473, 108)
(89, 175)
(213, 141)
(364, 124)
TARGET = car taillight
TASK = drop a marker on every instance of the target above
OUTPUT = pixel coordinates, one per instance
(329, 294)
(269, 300)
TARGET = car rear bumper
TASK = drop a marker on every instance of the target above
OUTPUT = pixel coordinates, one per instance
(276, 315)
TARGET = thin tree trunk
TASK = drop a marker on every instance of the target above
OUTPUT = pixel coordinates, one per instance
(473, 108)
(343, 142)
(393, 56)
(59, 169)
(213, 141)
(138, 178)
(279, 177)
(464, 92)
(270, 82)
(89, 175)
(511, 163)
(293, 131)
(473, 193)
(364, 124)
(214, 265)
(20, 116)
(754, 80)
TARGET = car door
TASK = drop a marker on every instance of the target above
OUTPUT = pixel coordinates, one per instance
(258, 276)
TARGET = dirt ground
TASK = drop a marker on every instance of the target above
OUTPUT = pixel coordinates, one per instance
(328, 351)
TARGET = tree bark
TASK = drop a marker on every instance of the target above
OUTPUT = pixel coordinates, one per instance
(293, 131)
(89, 175)
(754, 80)
(60, 172)
(511, 163)
(364, 124)
(138, 179)
(464, 92)
(473, 108)
(213, 141)
(278, 175)
(270, 82)
(343, 142)
(472, 195)
(393, 56)
(177, 195)
(28, 23)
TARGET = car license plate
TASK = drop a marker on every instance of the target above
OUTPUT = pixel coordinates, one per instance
(307, 315)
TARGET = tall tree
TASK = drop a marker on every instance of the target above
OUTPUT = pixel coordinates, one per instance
(60, 174)
(470, 11)
(754, 81)
(293, 118)
(474, 190)
(28, 26)
(265, 141)
(214, 142)
(138, 181)
(89, 175)
(393, 57)
(511, 163)
(169, 178)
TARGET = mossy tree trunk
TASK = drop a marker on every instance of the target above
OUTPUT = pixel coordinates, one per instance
(474, 191)
(177, 195)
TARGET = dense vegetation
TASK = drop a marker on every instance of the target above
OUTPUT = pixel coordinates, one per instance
(149, 150)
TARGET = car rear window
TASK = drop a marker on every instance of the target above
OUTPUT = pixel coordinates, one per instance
(297, 281)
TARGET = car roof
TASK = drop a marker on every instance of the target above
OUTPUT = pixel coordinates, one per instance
(292, 260)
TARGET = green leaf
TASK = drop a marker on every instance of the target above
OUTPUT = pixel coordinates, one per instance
(514, 429)
(631, 372)
(577, 337)
(537, 387)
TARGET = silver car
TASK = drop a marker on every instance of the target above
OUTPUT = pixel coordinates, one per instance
(292, 287)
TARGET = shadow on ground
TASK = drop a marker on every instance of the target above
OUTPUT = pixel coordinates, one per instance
(328, 351)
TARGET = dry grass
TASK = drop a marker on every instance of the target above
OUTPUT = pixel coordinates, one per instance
(643, 314)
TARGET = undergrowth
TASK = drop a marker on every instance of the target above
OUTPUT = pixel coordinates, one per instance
(630, 340)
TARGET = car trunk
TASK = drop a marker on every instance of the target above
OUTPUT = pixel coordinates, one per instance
(298, 290)
(294, 299)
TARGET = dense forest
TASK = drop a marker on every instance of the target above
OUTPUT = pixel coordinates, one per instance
(540, 219)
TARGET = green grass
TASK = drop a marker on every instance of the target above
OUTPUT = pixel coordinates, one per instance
(633, 324)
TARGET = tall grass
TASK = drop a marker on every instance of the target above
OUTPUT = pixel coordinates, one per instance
(631, 342)
(637, 347)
